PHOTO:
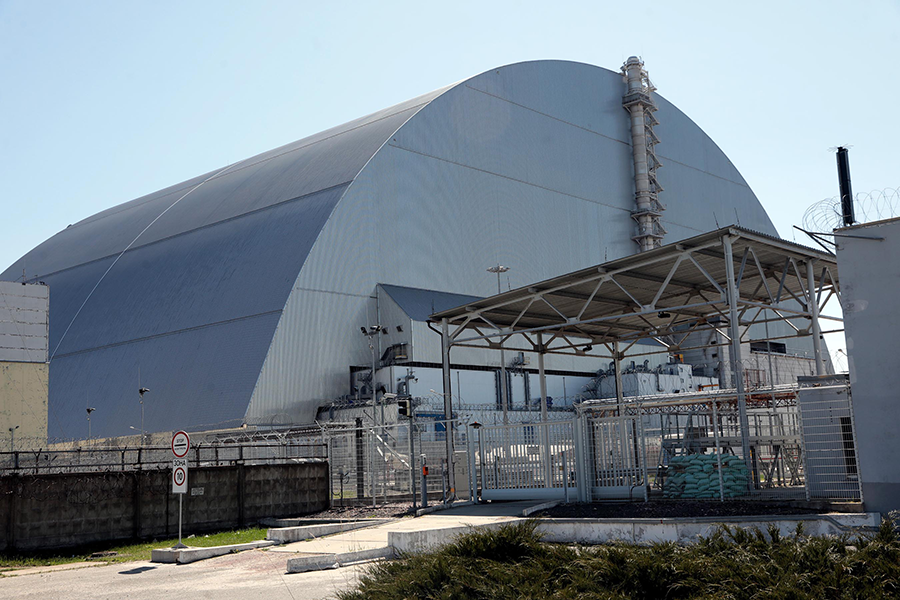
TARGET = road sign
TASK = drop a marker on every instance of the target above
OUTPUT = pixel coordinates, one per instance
(179, 475)
(181, 443)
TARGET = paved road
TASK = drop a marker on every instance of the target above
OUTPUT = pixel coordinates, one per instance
(255, 574)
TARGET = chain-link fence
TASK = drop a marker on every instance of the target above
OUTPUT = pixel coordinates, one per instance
(372, 464)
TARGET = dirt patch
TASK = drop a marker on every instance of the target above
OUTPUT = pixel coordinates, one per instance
(675, 509)
(382, 511)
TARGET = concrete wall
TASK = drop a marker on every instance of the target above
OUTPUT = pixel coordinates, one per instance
(23, 403)
(869, 275)
(50, 511)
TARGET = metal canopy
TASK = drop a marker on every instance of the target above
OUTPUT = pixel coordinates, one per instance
(662, 294)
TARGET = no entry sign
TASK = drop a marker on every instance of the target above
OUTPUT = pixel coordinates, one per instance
(181, 443)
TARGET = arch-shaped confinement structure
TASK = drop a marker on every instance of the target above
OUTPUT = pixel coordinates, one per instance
(239, 294)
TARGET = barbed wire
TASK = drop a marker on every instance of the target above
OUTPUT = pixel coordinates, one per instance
(827, 215)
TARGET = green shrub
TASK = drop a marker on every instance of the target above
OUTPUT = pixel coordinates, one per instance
(731, 563)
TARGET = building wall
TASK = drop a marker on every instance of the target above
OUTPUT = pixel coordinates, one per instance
(528, 165)
(23, 403)
(870, 284)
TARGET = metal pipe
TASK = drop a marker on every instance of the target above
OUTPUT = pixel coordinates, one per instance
(843, 165)
(814, 316)
(545, 428)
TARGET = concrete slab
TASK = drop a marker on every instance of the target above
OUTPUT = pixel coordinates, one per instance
(188, 555)
(318, 562)
(308, 532)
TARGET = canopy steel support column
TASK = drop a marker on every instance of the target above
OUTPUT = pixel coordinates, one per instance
(735, 334)
(813, 304)
(542, 377)
(448, 407)
(617, 367)
(545, 429)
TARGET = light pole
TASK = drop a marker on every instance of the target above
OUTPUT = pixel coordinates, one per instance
(89, 411)
(141, 393)
(504, 400)
(12, 438)
(370, 333)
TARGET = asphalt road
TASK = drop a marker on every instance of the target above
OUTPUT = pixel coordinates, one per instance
(250, 575)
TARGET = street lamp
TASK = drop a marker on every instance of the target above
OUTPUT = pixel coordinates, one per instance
(89, 411)
(141, 393)
(504, 399)
(12, 437)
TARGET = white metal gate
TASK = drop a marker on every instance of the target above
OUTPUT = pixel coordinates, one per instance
(528, 461)
(616, 456)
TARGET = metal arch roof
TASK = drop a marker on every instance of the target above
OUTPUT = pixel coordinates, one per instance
(186, 285)
(651, 294)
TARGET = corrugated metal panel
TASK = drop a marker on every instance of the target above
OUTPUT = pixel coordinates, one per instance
(195, 301)
(198, 379)
(24, 310)
(528, 165)
(419, 304)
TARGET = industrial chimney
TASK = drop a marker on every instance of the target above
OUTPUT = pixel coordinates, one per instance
(640, 106)
(843, 165)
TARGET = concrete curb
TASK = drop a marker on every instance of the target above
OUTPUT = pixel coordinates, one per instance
(183, 556)
(640, 531)
(539, 507)
(286, 535)
(318, 562)
(444, 506)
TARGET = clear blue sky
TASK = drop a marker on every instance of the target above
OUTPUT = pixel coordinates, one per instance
(105, 101)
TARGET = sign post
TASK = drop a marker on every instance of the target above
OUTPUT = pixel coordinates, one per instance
(181, 444)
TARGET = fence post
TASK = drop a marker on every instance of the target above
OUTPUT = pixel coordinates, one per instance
(565, 465)
(581, 481)
(360, 461)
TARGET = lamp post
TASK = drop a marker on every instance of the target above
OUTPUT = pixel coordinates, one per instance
(141, 393)
(504, 400)
(370, 333)
(89, 411)
(12, 438)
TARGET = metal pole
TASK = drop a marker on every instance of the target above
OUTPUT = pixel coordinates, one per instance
(448, 407)
(504, 395)
(545, 428)
(734, 331)
(412, 449)
(617, 366)
(180, 544)
(565, 465)
(814, 316)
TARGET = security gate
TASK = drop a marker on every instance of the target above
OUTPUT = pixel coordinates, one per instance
(528, 461)
(616, 456)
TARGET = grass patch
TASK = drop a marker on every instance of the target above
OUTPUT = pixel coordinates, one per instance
(125, 552)
(512, 563)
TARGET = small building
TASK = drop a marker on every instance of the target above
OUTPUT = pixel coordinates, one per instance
(870, 284)
(24, 371)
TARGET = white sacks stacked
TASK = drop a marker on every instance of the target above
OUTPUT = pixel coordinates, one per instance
(697, 476)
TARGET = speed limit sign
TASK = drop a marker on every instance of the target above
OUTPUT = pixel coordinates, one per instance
(179, 475)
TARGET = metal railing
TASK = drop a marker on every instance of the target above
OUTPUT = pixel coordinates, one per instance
(802, 447)
(107, 459)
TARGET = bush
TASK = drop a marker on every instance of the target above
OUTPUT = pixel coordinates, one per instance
(512, 563)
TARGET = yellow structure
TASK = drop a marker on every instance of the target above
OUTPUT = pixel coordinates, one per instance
(23, 404)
